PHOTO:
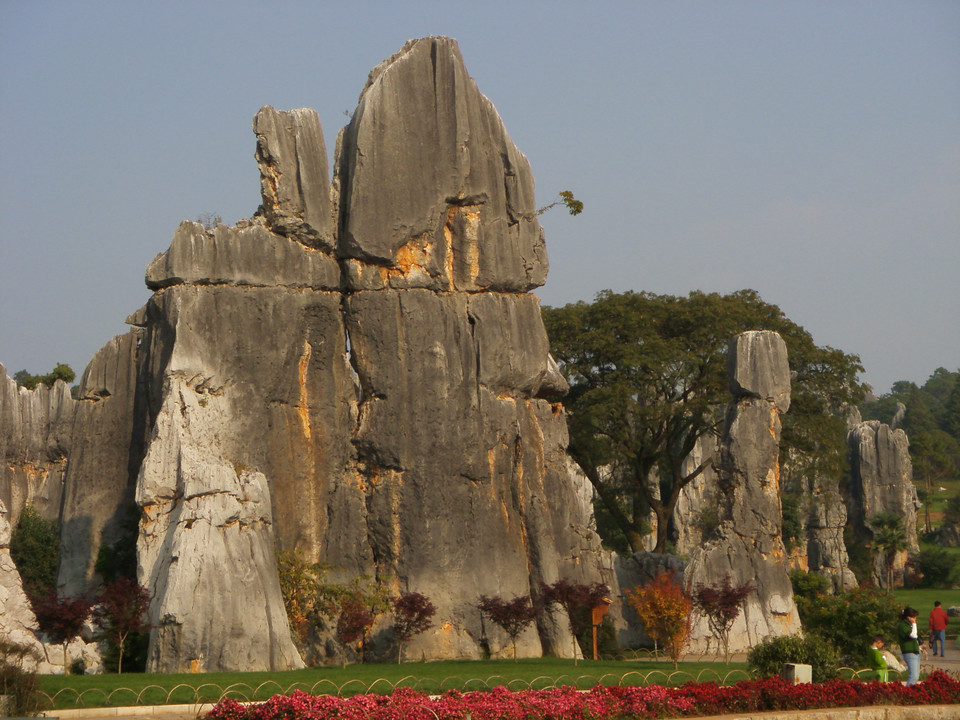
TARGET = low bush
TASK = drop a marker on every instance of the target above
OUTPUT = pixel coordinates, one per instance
(21, 686)
(850, 620)
(766, 658)
(809, 585)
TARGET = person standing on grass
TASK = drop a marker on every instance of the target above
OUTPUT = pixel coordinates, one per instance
(877, 661)
(910, 646)
(938, 628)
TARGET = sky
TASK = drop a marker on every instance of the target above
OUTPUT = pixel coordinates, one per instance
(808, 150)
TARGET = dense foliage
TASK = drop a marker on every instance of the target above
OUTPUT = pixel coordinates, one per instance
(35, 549)
(664, 609)
(648, 379)
(767, 658)
(599, 703)
(850, 620)
(20, 686)
(60, 372)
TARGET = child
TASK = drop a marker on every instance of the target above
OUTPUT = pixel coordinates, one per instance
(877, 661)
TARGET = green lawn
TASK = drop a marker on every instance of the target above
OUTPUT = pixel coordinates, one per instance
(141, 689)
(923, 598)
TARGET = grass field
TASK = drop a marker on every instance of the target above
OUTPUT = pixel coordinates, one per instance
(142, 689)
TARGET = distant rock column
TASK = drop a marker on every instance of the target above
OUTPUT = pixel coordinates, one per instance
(469, 490)
(825, 522)
(106, 450)
(35, 432)
(881, 480)
(748, 546)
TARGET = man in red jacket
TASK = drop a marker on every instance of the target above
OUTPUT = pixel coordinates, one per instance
(938, 628)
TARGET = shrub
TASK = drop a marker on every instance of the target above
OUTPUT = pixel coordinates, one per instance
(61, 619)
(121, 608)
(513, 616)
(766, 658)
(664, 608)
(35, 549)
(720, 605)
(412, 616)
(808, 585)
(21, 686)
(849, 620)
(938, 567)
(578, 600)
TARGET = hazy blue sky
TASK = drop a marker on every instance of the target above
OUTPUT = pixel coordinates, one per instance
(808, 150)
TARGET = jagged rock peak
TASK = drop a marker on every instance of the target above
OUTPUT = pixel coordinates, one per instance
(244, 255)
(757, 366)
(446, 201)
(294, 178)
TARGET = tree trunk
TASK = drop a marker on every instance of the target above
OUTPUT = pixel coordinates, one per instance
(663, 519)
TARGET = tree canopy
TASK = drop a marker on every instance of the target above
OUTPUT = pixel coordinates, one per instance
(648, 380)
(60, 372)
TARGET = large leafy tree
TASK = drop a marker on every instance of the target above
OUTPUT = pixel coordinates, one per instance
(648, 380)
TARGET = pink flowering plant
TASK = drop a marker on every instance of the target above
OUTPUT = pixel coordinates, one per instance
(599, 703)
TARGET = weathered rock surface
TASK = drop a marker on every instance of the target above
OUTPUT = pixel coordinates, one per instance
(35, 432)
(748, 546)
(446, 198)
(294, 179)
(206, 545)
(19, 625)
(357, 374)
(249, 255)
(881, 480)
(826, 519)
(106, 450)
(401, 429)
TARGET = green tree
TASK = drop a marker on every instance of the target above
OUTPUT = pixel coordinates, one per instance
(951, 415)
(648, 380)
(61, 371)
(35, 549)
(889, 539)
(849, 619)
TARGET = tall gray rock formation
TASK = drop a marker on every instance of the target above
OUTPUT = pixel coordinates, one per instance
(105, 453)
(358, 374)
(35, 433)
(748, 546)
(826, 518)
(881, 480)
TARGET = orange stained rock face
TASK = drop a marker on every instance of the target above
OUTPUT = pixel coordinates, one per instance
(303, 406)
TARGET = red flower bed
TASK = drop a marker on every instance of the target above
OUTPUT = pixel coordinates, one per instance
(600, 703)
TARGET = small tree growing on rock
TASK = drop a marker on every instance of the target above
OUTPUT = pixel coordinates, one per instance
(664, 609)
(61, 620)
(720, 605)
(514, 616)
(412, 616)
